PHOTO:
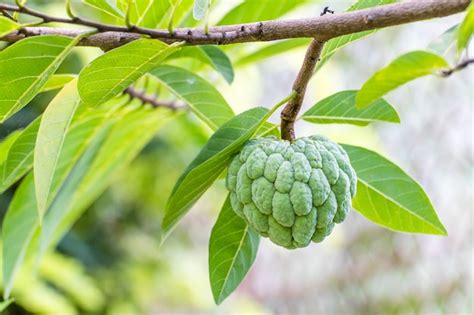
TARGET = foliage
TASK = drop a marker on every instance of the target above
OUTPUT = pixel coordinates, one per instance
(58, 164)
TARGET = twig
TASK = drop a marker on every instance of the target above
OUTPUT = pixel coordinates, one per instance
(458, 67)
(320, 28)
(146, 99)
(289, 113)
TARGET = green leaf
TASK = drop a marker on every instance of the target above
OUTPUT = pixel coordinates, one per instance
(211, 55)
(106, 7)
(232, 250)
(340, 108)
(402, 70)
(146, 13)
(6, 144)
(270, 50)
(202, 97)
(110, 74)
(443, 44)
(26, 66)
(339, 42)
(50, 140)
(387, 196)
(19, 159)
(211, 161)
(466, 30)
(258, 10)
(5, 304)
(7, 26)
(57, 81)
(18, 229)
(200, 9)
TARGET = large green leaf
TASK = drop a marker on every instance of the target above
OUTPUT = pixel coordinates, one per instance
(50, 140)
(232, 250)
(258, 10)
(26, 66)
(7, 26)
(336, 43)
(402, 70)
(19, 159)
(211, 162)
(203, 98)
(57, 81)
(387, 196)
(466, 30)
(106, 7)
(340, 108)
(111, 73)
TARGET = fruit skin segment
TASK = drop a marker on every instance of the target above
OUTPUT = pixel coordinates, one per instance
(292, 193)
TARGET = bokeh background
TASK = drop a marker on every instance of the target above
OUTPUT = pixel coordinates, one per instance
(111, 261)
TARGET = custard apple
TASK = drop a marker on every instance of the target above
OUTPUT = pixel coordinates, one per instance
(291, 192)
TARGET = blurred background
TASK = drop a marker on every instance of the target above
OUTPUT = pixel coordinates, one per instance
(111, 261)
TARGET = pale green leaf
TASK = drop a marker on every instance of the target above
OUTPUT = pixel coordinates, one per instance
(339, 42)
(232, 250)
(26, 66)
(50, 140)
(466, 30)
(19, 159)
(202, 97)
(211, 161)
(57, 81)
(402, 70)
(340, 108)
(200, 9)
(387, 196)
(443, 43)
(7, 26)
(106, 7)
(111, 73)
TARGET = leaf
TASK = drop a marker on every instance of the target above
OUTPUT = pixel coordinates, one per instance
(339, 42)
(6, 144)
(271, 50)
(387, 196)
(443, 44)
(26, 66)
(18, 229)
(211, 55)
(19, 159)
(146, 13)
(466, 30)
(232, 250)
(340, 108)
(258, 10)
(200, 9)
(110, 74)
(203, 98)
(210, 162)
(7, 26)
(405, 68)
(106, 7)
(50, 140)
(57, 81)
(5, 304)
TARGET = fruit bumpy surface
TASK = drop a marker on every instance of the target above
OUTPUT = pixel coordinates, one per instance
(293, 193)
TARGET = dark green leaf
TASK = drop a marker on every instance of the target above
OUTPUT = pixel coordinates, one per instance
(232, 250)
(387, 196)
(340, 108)
(402, 70)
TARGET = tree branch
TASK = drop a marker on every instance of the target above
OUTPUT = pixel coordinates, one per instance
(320, 28)
(289, 113)
(458, 67)
(146, 99)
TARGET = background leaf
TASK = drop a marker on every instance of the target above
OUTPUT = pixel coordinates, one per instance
(50, 140)
(106, 7)
(466, 30)
(443, 44)
(232, 250)
(210, 163)
(202, 97)
(7, 26)
(146, 13)
(340, 108)
(111, 73)
(57, 81)
(388, 196)
(26, 66)
(200, 9)
(402, 70)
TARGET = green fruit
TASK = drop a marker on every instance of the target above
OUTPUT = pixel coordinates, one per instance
(293, 193)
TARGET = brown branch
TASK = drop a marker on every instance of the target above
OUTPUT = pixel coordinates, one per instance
(458, 67)
(289, 113)
(320, 28)
(146, 99)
